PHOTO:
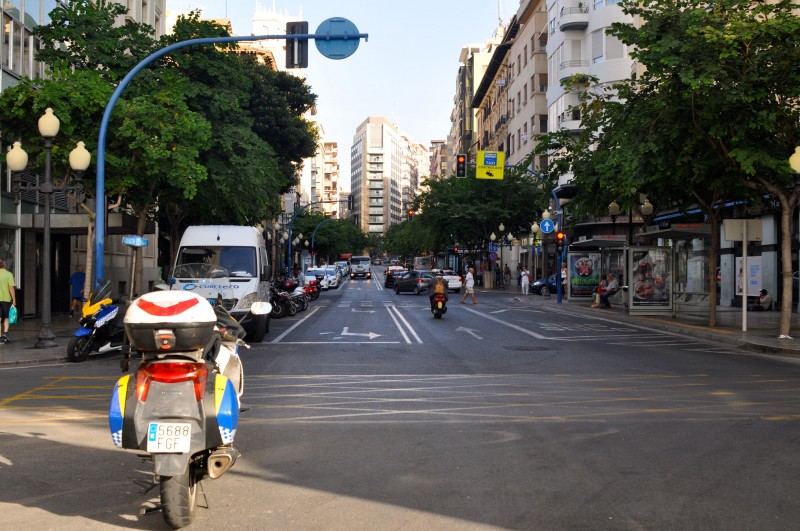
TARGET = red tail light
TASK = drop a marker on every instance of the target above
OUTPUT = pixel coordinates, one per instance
(171, 372)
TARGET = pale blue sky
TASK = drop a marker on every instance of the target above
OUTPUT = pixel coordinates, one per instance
(406, 71)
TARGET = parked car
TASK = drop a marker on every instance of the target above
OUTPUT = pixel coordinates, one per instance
(334, 275)
(321, 275)
(345, 267)
(540, 287)
(392, 272)
(451, 278)
(414, 281)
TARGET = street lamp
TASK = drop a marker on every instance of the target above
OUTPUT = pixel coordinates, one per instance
(17, 160)
(613, 211)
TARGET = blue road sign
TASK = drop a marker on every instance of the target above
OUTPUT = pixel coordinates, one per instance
(547, 226)
(337, 47)
(492, 247)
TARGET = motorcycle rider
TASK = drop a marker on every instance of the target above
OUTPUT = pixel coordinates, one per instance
(439, 288)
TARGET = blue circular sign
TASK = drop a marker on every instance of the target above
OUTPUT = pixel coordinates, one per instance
(343, 41)
(547, 226)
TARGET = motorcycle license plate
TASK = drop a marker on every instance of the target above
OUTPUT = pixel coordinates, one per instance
(169, 437)
(439, 305)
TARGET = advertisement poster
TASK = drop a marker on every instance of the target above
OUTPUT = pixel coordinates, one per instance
(583, 274)
(753, 277)
(651, 278)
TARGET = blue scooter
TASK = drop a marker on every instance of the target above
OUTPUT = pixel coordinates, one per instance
(102, 326)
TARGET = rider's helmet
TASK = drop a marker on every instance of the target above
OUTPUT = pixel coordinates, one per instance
(439, 275)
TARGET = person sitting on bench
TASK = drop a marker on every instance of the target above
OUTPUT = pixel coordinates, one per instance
(612, 286)
(764, 303)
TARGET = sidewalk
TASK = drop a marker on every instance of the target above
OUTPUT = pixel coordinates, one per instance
(21, 348)
(761, 335)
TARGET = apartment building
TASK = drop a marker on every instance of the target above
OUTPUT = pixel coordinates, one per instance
(578, 44)
(385, 171)
(325, 180)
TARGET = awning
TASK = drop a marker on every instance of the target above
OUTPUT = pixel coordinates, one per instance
(676, 231)
(602, 240)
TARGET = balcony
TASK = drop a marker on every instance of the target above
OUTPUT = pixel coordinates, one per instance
(574, 18)
(570, 120)
(568, 69)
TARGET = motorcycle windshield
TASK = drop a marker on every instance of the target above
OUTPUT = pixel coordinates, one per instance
(100, 293)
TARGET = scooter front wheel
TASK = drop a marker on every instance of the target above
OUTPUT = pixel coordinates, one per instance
(79, 348)
(179, 498)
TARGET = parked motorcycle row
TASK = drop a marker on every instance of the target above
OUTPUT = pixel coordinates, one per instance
(290, 296)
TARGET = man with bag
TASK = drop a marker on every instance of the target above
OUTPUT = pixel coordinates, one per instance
(8, 298)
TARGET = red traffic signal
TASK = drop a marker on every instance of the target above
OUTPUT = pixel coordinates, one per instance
(461, 165)
(410, 215)
(560, 239)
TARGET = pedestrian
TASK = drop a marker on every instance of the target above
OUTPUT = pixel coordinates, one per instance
(764, 302)
(77, 281)
(506, 276)
(564, 279)
(524, 280)
(469, 286)
(8, 297)
(612, 286)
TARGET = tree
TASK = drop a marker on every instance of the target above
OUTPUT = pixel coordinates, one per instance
(729, 70)
(278, 101)
(243, 175)
(467, 211)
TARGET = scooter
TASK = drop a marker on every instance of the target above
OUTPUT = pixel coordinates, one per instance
(181, 406)
(438, 305)
(102, 328)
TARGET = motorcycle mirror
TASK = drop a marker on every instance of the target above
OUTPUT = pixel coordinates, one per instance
(260, 308)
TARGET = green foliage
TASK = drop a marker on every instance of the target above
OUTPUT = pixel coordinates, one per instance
(332, 238)
(467, 211)
(82, 36)
(277, 103)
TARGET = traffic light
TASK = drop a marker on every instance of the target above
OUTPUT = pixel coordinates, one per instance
(410, 215)
(461, 165)
(296, 49)
(561, 238)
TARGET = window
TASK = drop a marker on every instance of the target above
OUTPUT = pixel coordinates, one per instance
(525, 56)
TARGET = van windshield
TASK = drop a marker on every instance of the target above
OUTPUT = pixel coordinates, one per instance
(239, 261)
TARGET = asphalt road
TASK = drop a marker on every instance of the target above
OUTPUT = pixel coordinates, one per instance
(366, 413)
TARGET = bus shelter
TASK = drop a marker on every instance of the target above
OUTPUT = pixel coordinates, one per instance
(665, 272)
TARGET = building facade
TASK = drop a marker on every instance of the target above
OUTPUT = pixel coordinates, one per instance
(386, 168)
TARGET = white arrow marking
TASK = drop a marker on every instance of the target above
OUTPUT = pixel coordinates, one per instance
(363, 311)
(346, 332)
(469, 331)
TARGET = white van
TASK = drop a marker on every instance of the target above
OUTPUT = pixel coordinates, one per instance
(230, 262)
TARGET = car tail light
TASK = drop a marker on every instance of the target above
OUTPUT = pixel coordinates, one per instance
(171, 372)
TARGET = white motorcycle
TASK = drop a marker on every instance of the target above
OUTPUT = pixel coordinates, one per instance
(182, 404)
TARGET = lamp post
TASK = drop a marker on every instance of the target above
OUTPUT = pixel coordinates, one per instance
(17, 160)
(613, 211)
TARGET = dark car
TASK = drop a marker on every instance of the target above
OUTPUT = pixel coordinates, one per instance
(540, 287)
(392, 272)
(414, 281)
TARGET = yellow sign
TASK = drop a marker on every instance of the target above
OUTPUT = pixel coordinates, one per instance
(490, 165)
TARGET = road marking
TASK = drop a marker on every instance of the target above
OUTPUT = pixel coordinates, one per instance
(395, 314)
(298, 323)
(361, 311)
(346, 332)
(515, 327)
(469, 331)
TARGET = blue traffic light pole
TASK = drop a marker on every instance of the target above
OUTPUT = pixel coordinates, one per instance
(330, 50)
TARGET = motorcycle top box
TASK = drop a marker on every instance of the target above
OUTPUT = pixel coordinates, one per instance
(165, 321)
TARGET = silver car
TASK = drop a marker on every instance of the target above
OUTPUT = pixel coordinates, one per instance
(334, 276)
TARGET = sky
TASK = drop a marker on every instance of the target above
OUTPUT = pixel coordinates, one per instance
(405, 71)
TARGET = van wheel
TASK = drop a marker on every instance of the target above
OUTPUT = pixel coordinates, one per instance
(259, 331)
